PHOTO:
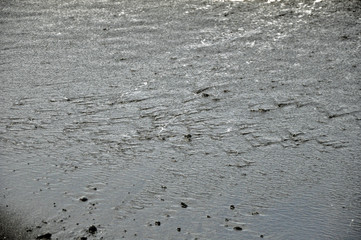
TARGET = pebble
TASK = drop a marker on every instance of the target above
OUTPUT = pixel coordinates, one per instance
(157, 223)
(188, 136)
(237, 228)
(83, 199)
(232, 207)
(184, 205)
(44, 236)
(179, 229)
(92, 229)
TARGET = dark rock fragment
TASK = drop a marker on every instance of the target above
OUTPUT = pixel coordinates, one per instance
(179, 229)
(237, 228)
(157, 223)
(184, 205)
(232, 207)
(44, 236)
(83, 199)
(92, 229)
(188, 136)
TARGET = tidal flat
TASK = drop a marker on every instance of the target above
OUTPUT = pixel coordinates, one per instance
(180, 119)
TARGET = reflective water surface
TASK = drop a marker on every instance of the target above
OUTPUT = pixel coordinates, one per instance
(247, 112)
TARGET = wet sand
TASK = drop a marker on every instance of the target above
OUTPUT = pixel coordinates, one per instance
(180, 119)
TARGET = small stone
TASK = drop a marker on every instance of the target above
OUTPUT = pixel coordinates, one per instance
(184, 205)
(157, 223)
(83, 238)
(44, 236)
(179, 229)
(255, 213)
(205, 95)
(232, 207)
(237, 228)
(83, 199)
(261, 236)
(92, 229)
(208, 216)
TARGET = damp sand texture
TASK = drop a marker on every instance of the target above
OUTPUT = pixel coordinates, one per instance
(180, 119)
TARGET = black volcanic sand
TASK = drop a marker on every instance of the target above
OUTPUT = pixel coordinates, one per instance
(180, 119)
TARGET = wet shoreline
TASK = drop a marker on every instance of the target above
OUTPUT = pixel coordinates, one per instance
(181, 119)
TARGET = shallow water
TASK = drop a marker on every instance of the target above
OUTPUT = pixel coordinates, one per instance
(142, 105)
